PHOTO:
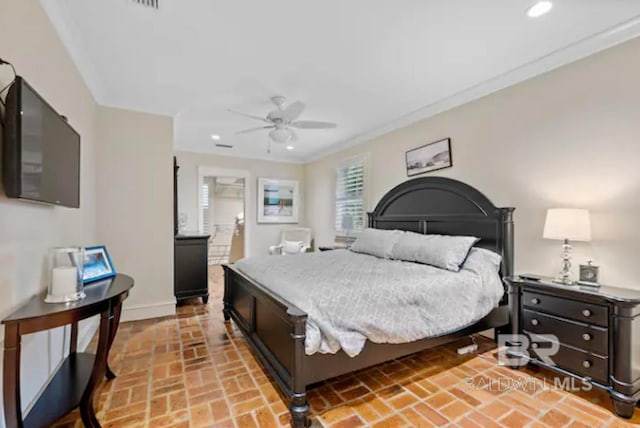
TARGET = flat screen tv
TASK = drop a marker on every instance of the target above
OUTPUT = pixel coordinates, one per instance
(40, 150)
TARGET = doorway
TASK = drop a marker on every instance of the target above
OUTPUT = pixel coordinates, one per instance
(222, 217)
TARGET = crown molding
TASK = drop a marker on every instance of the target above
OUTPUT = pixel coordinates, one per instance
(177, 150)
(66, 28)
(580, 49)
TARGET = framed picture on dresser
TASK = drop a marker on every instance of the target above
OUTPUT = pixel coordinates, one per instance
(278, 201)
(430, 157)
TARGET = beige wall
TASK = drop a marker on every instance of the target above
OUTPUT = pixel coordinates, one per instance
(135, 205)
(28, 230)
(569, 138)
(261, 236)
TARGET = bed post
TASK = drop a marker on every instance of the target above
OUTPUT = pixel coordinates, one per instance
(507, 265)
(299, 407)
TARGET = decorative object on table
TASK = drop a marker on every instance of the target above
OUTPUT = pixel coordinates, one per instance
(430, 157)
(292, 241)
(589, 274)
(97, 264)
(66, 268)
(277, 201)
(567, 224)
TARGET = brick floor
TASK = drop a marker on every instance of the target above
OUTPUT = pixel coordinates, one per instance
(193, 370)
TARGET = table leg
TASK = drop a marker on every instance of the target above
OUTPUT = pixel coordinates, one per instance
(99, 368)
(11, 377)
(115, 322)
(73, 339)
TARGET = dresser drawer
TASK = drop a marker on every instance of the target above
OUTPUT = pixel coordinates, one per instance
(579, 311)
(579, 362)
(579, 335)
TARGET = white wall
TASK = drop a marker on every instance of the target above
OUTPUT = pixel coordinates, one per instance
(135, 205)
(570, 138)
(28, 230)
(225, 209)
(261, 235)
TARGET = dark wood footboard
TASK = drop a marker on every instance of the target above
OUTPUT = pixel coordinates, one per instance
(275, 331)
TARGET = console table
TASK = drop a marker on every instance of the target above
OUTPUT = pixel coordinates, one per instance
(74, 383)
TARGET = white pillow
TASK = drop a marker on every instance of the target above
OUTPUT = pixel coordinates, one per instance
(376, 242)
(442, 251)
(292, 247)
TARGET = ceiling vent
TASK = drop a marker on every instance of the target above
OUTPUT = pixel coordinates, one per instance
(149, 3)
(224, 146)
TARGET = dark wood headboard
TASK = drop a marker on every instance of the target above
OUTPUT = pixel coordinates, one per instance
(443, 206)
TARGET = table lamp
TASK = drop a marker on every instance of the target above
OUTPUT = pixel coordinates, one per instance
(567, 224)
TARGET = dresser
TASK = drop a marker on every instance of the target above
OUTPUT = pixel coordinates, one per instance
(190, 272)
(596, 332)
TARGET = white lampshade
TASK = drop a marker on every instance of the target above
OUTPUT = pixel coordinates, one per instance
(567, 223)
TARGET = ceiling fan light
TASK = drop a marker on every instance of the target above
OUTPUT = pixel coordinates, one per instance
(280, 135)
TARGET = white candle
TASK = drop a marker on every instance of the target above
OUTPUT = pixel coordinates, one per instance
(64, 281)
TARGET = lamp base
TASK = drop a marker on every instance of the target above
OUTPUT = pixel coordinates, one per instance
(563, 281)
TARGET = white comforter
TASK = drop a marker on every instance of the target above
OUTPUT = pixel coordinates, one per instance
(351, 297)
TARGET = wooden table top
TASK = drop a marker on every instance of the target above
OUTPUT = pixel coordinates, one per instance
(96, 293)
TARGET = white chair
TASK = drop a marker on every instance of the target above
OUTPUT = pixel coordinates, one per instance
(292, 241)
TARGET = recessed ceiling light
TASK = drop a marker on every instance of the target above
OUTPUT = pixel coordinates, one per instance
(290, 147)
(539, 9)
(215, 137)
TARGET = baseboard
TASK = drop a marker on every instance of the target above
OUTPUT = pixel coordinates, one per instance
(154, 310)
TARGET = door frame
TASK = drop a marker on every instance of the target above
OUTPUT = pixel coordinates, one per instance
(212, 171)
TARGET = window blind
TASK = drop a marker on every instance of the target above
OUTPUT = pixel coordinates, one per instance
(350, 204)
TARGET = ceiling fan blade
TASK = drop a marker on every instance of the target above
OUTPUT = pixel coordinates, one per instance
(249, 115)
(292, 112)
(259, 128)
(294, 135)
(313, 124)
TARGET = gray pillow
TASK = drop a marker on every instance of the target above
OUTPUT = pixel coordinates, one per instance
(442, 251)
(376, 242)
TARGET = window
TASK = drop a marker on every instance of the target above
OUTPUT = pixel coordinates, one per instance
(205, 209)
(350, 200)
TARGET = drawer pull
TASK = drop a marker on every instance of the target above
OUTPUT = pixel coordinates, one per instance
(586, 312)
(535, 322)
(586, 336)
(586, 364)
(535, 301)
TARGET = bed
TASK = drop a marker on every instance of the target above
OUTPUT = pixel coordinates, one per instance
(275, 329)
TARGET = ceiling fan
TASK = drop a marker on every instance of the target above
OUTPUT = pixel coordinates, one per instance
(283, 120)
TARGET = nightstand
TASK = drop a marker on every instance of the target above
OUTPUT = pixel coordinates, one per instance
(597, 330)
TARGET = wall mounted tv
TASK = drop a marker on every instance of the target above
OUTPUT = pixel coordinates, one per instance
(40, 151)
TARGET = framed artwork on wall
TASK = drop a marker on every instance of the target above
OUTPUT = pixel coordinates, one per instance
(278, 201)
(97, 264)
(430, 157)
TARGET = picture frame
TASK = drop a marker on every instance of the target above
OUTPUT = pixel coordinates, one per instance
(428, 158)
(278, 201)
(97, 264)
